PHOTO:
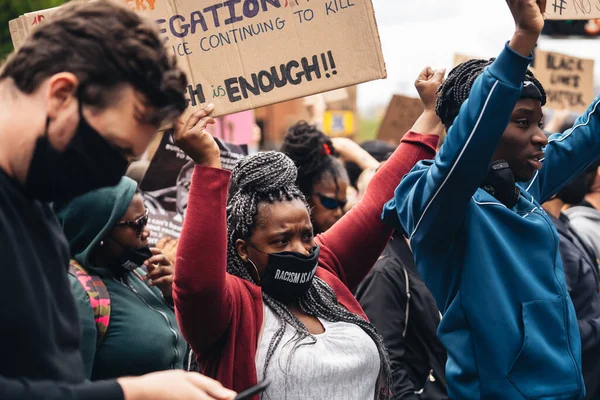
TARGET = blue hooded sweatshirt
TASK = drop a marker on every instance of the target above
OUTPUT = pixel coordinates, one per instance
(496, 274)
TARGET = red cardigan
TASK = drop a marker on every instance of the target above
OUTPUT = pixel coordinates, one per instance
(221, 315)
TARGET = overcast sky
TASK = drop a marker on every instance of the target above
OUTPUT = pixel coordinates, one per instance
(428, 32)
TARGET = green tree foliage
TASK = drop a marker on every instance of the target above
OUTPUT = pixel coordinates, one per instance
(10, 9)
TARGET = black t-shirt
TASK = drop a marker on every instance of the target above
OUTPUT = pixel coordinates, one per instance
(39, 326)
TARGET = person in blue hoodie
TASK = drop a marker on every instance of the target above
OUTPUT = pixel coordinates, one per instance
(482, 243)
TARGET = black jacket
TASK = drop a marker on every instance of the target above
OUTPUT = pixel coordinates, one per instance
(418, 357)
(581, 272)
(39, 326)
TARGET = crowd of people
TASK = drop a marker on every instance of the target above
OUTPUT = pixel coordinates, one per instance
(324, 270)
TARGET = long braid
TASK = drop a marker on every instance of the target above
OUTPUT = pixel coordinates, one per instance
(268, 178)
(456, 89)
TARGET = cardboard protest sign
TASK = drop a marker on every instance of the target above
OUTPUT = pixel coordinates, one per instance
(338, 123)
(401, 115)
(569, 81)
(244, 54)
(573, 9)
(166, 186)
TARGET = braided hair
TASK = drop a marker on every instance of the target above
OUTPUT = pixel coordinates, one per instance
(456, 89)
(269, 178)
(314, 155)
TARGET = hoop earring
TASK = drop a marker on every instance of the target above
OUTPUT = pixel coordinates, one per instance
(255, 269)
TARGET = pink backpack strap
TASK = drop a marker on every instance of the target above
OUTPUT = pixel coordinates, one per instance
(98, 295)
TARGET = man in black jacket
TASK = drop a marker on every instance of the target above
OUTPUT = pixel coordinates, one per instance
(403, 310)
(581, 272)
(84, 94)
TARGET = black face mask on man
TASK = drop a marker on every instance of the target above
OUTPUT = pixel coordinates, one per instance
(289, 275)
(89, 162)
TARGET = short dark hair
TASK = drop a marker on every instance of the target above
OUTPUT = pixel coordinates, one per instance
(106, 46)
(456, 89)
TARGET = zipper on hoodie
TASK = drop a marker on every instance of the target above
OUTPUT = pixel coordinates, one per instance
(165, 316)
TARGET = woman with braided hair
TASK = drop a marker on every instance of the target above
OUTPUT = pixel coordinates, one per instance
(322, 178)
(258, 296)
(482, 243)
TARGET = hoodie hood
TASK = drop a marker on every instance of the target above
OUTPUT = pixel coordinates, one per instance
(87, 219)
(583, 212)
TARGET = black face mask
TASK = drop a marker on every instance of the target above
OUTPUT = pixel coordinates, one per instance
(289, 275)
(575, 191)
(133, 259)
(89, 162)
(500, 183)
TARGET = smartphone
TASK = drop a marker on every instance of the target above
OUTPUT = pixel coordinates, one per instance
(247, 394)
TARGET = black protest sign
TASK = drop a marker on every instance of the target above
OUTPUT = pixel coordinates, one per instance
(166, 185)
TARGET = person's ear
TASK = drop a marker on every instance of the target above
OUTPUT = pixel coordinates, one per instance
(63, 107)
(62, 93)
(242, 248)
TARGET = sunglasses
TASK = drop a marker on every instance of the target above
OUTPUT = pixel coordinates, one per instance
(138, 224)
(331, 203)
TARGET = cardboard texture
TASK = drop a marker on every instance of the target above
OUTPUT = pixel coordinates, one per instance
(569, 81)
(573, 9)
(244, 54)
(401, 115)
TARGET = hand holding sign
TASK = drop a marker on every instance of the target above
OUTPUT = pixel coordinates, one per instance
(193, 138)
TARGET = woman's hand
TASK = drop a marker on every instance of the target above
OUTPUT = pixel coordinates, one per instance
(168, 246)
(427, 84)
(160, 272)
(193, 138)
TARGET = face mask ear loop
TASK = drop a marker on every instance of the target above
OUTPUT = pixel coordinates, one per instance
(47, 126)
(255, 269)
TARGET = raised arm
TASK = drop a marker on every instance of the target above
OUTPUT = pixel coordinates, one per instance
(200, 291)
(568, 154)
(353, 244)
